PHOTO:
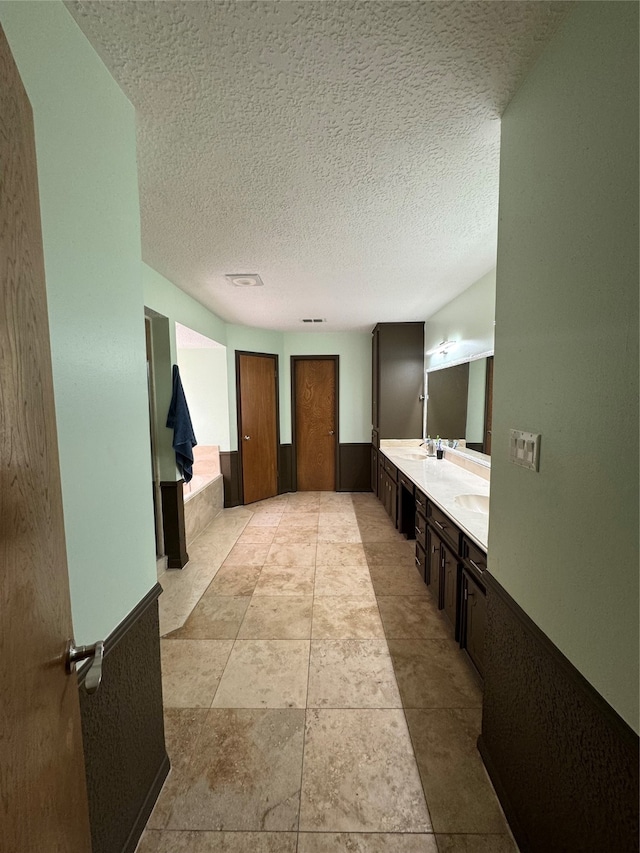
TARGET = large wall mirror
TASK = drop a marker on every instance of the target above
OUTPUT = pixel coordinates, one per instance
(460, 402)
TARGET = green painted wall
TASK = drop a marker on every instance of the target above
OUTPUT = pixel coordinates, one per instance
(467, 319)
(564, 541)
(86, 150)
(204, 378)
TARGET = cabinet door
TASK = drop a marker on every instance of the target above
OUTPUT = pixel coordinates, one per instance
(381, 482)
(475, 604)
(434, 559)
(400, 380)
(450, 572)
(421, 561)
(393, 502)
(374, 378)
(374, 470)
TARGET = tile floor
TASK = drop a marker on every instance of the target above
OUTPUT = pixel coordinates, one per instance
(314, 699)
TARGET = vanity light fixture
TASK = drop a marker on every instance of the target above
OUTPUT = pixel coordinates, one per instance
(442, 348)
(245, 279)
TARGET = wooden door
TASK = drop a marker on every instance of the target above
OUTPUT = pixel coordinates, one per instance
(488, 407)
(315, 415)
(258, 424)
(42, 777)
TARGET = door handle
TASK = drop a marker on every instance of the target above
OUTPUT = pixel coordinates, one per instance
(247, 438)
(95, 652)
(332, 432)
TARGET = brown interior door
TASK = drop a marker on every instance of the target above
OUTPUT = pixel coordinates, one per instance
(315, 423)
(488, 406)
(42, 778)
(258, 424)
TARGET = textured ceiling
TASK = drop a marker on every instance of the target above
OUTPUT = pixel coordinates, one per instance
(347, 152)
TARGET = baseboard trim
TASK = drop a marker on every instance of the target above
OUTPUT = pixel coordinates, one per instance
(564, 764)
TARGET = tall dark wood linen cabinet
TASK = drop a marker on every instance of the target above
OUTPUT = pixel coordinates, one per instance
(398, 381)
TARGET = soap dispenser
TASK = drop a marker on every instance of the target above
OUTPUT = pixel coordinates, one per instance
(430, 446)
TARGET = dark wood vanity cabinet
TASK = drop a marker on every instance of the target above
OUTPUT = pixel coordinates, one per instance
(473, 603)
(374, 470)
(449, 576)
(397, 386)
(388, 487)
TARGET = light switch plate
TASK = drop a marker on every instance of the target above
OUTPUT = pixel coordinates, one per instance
(524, 449)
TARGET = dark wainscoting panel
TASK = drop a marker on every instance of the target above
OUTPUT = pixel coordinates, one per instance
(564, 764)
(175, 540)
(230, 469)
(285, 473)
(123, 732)
(354, 467)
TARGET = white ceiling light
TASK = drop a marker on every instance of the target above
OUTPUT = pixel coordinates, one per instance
(442, 348)
(245, 279)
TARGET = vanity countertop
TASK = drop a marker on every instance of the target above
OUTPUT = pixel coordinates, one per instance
(442, 481)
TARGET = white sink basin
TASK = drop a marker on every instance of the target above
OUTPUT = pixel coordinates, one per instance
(411, 454)
(475, 503)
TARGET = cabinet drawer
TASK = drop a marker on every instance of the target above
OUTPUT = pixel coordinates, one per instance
(421, 502)
(391, 470)
(444, 527)
(403, 480)
(475, 558)
(421, 530)
(421, 561)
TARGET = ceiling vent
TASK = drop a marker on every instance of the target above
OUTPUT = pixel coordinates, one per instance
(244, 279)
(314, 320)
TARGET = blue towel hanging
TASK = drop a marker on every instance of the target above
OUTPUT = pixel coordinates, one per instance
(179, 420)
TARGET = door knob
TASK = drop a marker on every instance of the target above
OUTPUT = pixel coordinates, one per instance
(95, 652)
(332, 432)
(247, 438)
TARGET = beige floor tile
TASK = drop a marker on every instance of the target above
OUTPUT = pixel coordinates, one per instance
(234, 580)
(345, 618)
(387, 554)
(475, 844)
(340, 555)
(278, 617)
(245, 774)
(265, 519)
(270, 505)
(337, 535)
(181, 731)
(298, 554)
(149, 841)
(457, 788)
(265, 674)
(191, 671)
(285, 580)
(434, 674)
(337, 518)
(397, 580)
(215, 617)
(376, 532)
(298, 519)
(360, 774)
(364, 842)
(302, 502)
(351, 674)
(343, 580)
(247, 555)
(408, 617)
(252, 535)
(296, 535)
(174, 841)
